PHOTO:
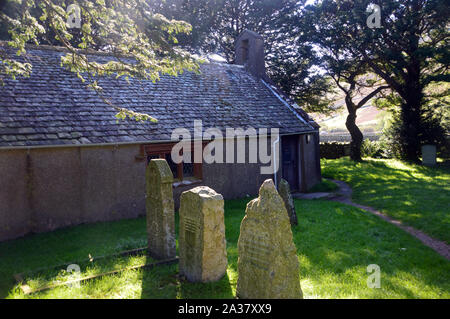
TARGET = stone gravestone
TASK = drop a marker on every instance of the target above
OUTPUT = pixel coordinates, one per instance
(160, 210)
(202, 244)
(267, 265)
(285, 193)
(429, 155)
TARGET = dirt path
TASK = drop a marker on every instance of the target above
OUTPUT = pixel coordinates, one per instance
(344, 195)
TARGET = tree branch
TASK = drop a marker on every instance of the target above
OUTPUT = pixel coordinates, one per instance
(371, 95)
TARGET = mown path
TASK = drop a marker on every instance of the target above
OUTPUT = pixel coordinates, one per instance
(344, 195)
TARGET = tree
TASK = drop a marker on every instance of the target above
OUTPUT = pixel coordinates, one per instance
(409, 50)
(217, 23)
(435, 115)
(327, 32)
(292, 65)
(141, 42)
(354, 80)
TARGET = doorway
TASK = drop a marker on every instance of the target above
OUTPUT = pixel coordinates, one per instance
(290, 155)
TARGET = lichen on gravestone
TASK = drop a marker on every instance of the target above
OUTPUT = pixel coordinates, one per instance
(268, 266)
(202, 244)
(285, 193)
(160, 210)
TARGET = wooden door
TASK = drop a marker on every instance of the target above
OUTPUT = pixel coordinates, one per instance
(289, 159)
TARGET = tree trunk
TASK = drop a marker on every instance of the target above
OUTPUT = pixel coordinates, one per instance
(355, 132)
(410, 129)
(411, 116)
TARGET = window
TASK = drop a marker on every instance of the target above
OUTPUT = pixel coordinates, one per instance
(188, 170)
(183, 172)
(172, 165)
(308, 138)
(244, 51)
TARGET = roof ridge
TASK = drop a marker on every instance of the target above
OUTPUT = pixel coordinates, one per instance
(58, 48)
(296, 108)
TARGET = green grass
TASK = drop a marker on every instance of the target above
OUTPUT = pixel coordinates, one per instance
(335, 244)
(325, 186)
(418, 196)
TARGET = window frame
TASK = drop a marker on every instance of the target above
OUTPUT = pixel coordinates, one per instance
(161, 150)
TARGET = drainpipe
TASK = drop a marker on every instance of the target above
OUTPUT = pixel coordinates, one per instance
(275, 161)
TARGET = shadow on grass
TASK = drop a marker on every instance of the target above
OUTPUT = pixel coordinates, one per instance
(417, 195)
(164, 283)
(337, 244)
(66, 246)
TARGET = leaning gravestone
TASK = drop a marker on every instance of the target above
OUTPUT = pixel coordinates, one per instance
(267, 265)
(160, 210)
(285, 193)
(202, 245)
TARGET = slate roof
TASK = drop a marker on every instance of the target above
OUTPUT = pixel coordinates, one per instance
(53, 107)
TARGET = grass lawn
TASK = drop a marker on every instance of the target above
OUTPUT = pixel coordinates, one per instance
(324, 186)
(417, 195)
(335, 244)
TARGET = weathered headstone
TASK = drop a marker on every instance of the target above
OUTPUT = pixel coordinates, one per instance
(160, 210)
(429, 155)
(267, 265)
(285, 193)
(202, 244)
